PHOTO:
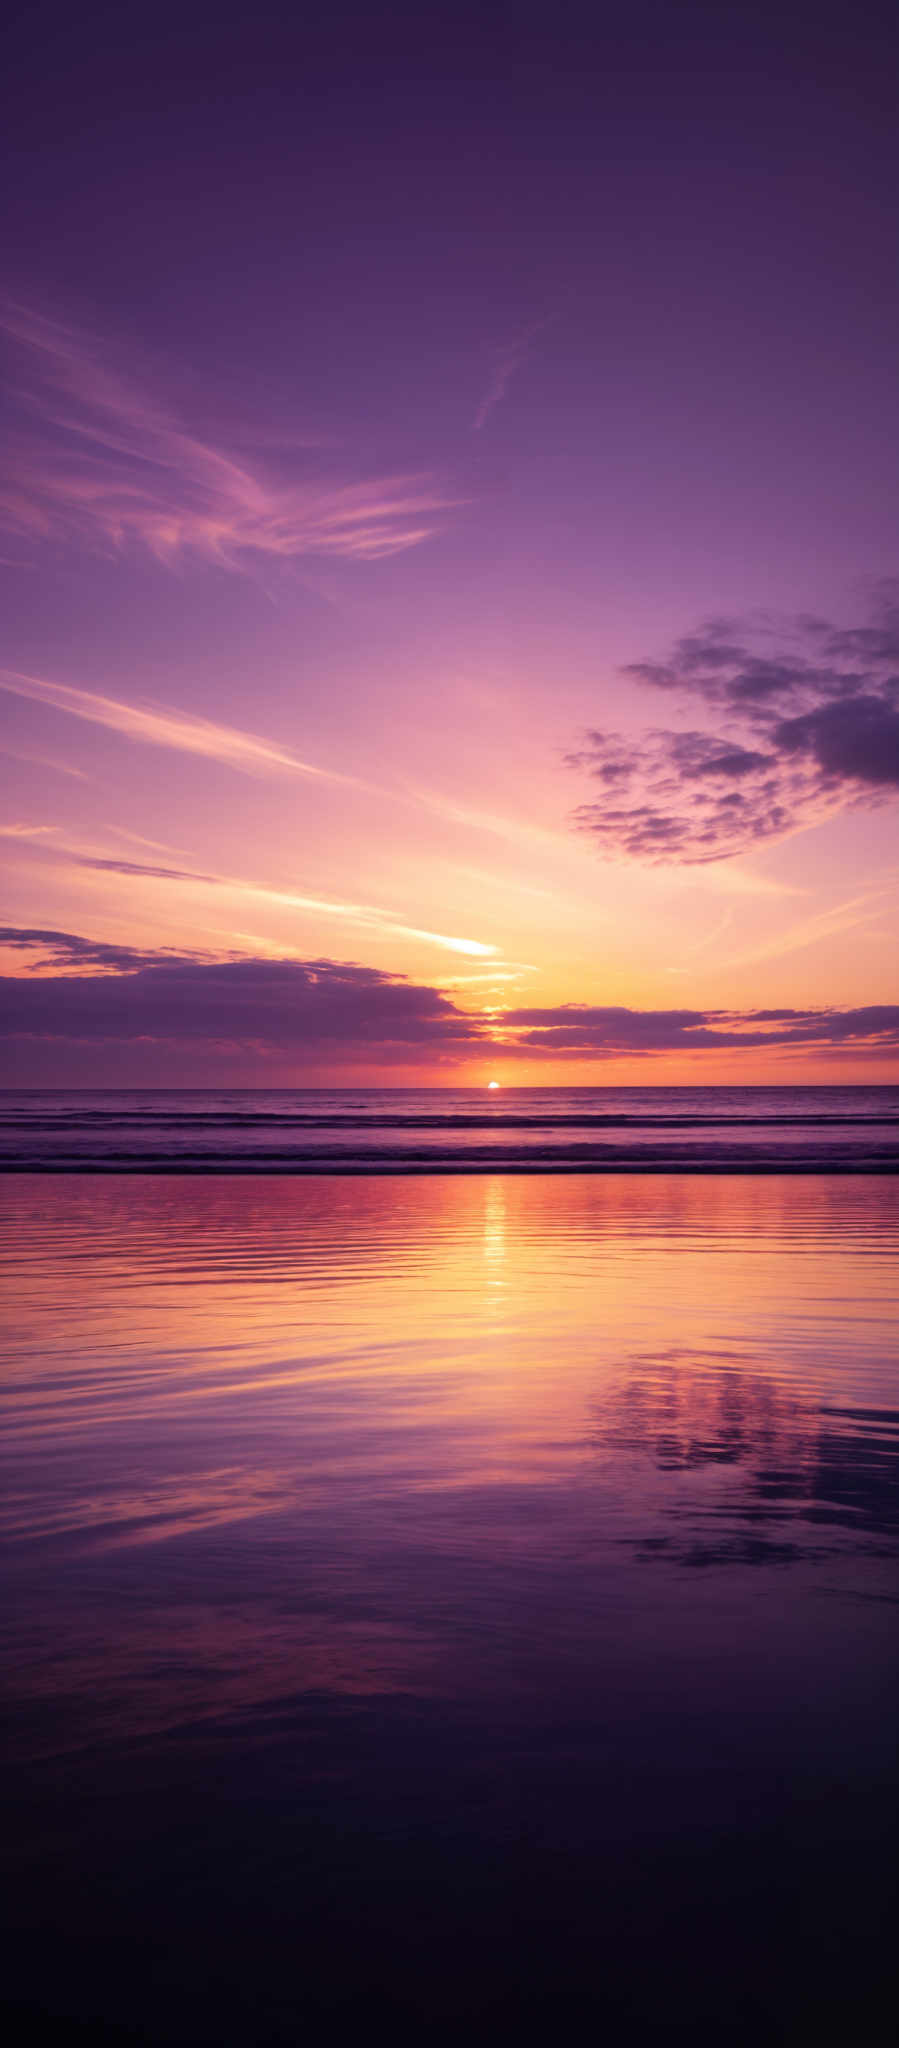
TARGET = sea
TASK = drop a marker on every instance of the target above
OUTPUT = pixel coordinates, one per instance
(450, 1565)
(406, 1130)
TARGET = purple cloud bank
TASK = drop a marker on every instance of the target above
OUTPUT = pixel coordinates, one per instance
(798, 734)
(582, 1029)
(120, 995)
(282, 1006)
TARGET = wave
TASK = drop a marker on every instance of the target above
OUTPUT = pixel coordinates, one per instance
(89, 1120)
(408, 1131)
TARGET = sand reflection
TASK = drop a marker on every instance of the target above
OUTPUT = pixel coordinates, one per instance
(265, 1440)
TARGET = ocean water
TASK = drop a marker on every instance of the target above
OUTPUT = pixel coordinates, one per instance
(853, 1129)
(448, 1603)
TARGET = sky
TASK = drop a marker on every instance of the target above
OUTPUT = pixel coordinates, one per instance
(448, 546)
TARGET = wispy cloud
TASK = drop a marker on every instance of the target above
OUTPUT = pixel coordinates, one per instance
(97, 458)
(140, 839)
(161, 726)
(44, 761)
(799, 733)
(366, 916)
(498, 976)
(26, 831)
(508, 360)
(517, 831)
(857, 913)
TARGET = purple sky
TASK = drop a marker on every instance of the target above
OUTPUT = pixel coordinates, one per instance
(449, 525)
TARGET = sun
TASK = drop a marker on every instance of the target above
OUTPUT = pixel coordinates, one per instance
(493, 1084)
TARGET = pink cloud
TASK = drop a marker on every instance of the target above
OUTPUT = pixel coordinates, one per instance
(98, 459)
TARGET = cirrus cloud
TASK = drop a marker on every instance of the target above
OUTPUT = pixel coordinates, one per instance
(94, 457)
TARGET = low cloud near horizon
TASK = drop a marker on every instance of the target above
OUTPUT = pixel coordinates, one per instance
(272, 1005)
(805, 722)
(78, 991)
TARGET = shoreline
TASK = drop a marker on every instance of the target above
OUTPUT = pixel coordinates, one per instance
(417, 1169)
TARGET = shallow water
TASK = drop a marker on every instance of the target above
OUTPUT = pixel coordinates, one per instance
(450, 1601)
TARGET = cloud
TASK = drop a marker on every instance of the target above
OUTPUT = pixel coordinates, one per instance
(507, 362)
(273, 1006)
(45, 761)
(160, 726)
(370, 916)
(114, 866)
(503, 371)
(68, 949)
(798, 734)
(857, 913)
(93, 457)
(610, 1031)
(26, 831)
(82, 990)
(854, 741)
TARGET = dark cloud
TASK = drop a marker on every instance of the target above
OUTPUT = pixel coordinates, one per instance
(139, 867)
(798, 734)
(583, 1029)
(68, 949)
(118, 995)
(287, 1006)
(858, 738)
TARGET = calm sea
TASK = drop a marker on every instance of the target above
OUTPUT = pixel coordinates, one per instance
(452, 1129)
(448, 1604)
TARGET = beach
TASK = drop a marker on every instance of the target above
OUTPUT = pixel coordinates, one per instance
(449, 1602)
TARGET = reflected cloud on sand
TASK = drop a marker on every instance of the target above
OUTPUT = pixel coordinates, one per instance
(278, 1437)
